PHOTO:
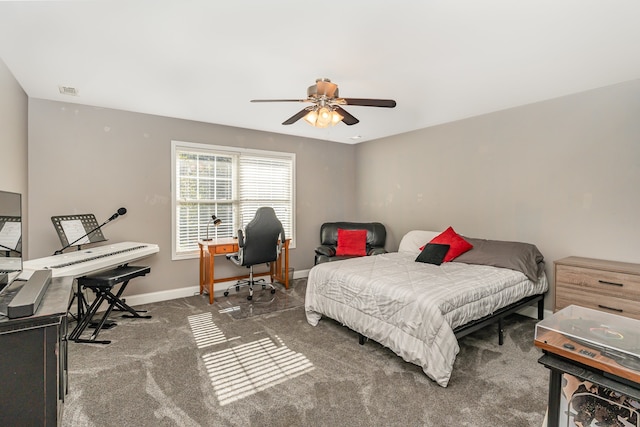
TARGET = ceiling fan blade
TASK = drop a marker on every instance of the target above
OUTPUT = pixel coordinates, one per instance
(280, 100)
(291, 120)
(364, 102)
(347, 119)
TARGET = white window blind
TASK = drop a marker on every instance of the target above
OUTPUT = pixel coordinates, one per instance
(265, 181)
(230, 184)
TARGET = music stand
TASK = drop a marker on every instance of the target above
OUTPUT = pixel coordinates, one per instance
(11, 234)
(78, 230)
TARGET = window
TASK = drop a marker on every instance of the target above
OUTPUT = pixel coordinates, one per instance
(230, 183)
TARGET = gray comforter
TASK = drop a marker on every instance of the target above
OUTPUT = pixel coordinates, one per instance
(412, 307)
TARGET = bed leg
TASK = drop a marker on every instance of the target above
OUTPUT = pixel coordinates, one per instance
(500, 331)
(362, 339)
(541, 309)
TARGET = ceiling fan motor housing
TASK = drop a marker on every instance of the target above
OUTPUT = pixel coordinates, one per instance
(323, 88)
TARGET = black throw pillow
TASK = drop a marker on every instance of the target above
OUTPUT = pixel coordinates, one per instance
(433, 253)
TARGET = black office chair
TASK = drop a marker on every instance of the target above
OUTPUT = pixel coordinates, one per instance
(259, 243)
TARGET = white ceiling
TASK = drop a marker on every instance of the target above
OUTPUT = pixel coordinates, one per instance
(204, 60)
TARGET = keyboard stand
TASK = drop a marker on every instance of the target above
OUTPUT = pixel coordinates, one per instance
(102, 285)
(82, 304)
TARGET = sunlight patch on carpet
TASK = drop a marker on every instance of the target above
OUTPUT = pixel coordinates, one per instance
(246, 369)
(230, 309)
(205, 332)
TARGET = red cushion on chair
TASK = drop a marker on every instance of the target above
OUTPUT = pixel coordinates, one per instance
(457, 244)
(352, 242)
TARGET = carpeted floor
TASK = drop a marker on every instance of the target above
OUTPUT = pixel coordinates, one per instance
(239, 364)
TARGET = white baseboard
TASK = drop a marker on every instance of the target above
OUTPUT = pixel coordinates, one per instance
(532, 311)
(188, 291)
(151, 297)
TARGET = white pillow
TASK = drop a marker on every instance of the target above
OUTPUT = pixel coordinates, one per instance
(415, 239)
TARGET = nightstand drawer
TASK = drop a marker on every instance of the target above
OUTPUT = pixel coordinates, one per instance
(598, 282)
(225, 249)
(612, 305)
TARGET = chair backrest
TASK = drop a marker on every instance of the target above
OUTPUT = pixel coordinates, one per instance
(376, 232)
(261, 238)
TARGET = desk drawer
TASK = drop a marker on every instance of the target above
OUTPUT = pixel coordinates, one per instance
(226, 249)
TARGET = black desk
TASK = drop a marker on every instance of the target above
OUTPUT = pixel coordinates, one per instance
(594, 379)
(33, 360)
(559, 366)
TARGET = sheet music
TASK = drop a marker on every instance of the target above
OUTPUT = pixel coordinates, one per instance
(10, 234)
(74, 229)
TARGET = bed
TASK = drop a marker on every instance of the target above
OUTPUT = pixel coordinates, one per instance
(418, 309)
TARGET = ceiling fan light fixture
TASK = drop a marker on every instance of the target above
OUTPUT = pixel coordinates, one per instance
(336, 118)
(322, 117)
(311, 117)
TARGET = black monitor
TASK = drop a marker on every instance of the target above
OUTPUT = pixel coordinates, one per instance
(10, 237)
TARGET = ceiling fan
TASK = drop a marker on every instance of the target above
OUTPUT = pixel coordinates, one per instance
(327, 105)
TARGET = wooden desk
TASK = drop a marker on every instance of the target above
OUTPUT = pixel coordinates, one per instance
(209, 250)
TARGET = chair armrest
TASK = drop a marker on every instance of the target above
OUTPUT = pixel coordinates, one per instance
(240, 239)
(377, 251)
(326, 250)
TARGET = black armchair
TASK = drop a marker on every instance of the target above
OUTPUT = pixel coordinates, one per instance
(258, 244)
(376, 237)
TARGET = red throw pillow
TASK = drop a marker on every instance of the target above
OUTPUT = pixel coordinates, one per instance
(352, 242)
(457, 244)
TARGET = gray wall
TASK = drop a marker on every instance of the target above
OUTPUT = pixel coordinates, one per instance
(563, 174)
(84, 159)
(13, 140)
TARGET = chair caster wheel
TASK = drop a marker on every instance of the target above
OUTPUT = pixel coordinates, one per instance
(237, 288)
(249, 297)
(273, 291)
(226, 293)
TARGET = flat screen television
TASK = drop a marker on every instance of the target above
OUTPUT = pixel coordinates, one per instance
(10, 237)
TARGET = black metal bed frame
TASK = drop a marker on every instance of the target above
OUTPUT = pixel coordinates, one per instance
(497, 316)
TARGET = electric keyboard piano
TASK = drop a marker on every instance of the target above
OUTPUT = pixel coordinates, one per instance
(94, 259)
